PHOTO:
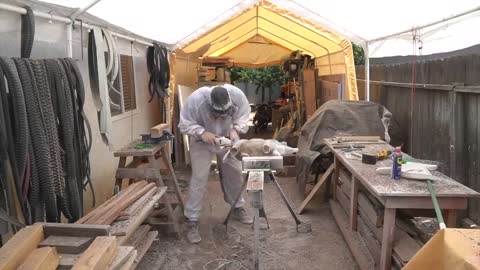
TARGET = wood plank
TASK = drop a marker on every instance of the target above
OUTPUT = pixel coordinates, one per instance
(123, 255)
(451, 218)
(137, 173)
(67, 261)
(130, 263)
(115, 210)
(126, 228)
(405, 246)
(99, 255)
(17, 249)
(45, 258)
(315, 189)
(67, 244)
(95, 213)
(145, 244)
(355, 243)
(370, 239)
(80, 230)
(345, 182)
(375, 216)
(387, 238)
(354, 203)
(357, 138)
(134, 207)
(344, 201)
(137, 236)
(157, 131)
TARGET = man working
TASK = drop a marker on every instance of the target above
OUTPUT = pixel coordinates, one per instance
(212, 112)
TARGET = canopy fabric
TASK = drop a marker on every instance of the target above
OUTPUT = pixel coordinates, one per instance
(265, 34)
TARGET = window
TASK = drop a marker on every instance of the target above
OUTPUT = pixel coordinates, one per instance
(125, 99)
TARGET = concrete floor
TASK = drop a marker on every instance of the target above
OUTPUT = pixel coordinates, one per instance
(282, 247)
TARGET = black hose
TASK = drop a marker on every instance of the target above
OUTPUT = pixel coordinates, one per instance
(18, 131)
(83, 140)
(50, 122)
(28, 33)
(60, 87)
(159, 69)
(43, 191)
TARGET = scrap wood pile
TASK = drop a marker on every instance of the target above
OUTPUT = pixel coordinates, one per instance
(127, 210)
(109, 237)
(50, 246)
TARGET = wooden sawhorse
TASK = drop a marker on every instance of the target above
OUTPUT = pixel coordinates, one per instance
(150, 172)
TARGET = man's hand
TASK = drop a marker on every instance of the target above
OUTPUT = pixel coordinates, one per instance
(234, 137)
(208, 137)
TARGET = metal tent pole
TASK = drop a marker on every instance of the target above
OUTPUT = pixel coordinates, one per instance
(367, 73)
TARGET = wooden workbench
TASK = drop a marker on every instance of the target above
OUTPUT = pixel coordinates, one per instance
(395, 194)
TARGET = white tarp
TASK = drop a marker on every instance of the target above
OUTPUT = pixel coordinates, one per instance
(172, 21)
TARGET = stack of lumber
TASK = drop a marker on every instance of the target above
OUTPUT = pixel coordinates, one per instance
(370, 224)
(217, 61)
(50, 246)
(206, 74)
(109, 211)
(126, 212)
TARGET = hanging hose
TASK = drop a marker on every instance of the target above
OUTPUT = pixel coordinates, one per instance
(43, 191)
(159, 69)
(83, 138)
(28, 33)
(99, 82)
(14, 103)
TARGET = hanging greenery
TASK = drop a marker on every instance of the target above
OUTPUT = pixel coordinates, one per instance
(263, 78)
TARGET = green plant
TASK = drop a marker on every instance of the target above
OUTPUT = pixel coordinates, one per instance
(263, 78)
(358, 55)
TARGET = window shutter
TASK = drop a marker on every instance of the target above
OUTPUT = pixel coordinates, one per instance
(128, 83)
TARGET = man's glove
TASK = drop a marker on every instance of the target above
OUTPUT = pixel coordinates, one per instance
(234, 137)
(208, 137)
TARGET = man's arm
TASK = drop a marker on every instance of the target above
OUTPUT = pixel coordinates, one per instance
(188, 124)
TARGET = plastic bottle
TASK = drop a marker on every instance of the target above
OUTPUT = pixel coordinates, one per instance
(397, 163)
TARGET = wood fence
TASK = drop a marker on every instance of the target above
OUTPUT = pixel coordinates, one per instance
(439, 117)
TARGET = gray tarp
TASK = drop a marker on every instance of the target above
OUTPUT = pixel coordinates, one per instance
(336, 118)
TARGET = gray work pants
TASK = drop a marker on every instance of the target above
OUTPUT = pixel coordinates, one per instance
(201, 155)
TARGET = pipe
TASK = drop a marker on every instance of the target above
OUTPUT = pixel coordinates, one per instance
(80, 11)
(426, 25)
(367, 74)
(70, 39)
(66, 20)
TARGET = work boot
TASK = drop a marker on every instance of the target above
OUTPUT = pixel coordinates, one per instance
(241, 215)
(193, 235)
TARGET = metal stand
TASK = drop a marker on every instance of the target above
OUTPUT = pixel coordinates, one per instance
(253, 183)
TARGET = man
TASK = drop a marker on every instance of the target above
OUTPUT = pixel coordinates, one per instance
(212, 112)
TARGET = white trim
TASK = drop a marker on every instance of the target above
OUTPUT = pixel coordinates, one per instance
(66, 20)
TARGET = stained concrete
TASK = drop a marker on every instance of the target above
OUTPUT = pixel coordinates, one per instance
(282, 247)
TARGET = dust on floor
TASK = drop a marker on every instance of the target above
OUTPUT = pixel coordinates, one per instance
(282, 248)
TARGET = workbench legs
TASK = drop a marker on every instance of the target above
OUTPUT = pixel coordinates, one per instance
(387, 238)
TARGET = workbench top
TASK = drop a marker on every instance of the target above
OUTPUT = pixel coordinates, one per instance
(131, 151)
(384, 186)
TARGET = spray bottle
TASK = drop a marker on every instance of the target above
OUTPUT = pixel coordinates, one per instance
(397, 163)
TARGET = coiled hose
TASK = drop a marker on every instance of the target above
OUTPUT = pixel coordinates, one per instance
(61, 98)
(159, 69)
(42, 188)
(18, 137)
(28, 33)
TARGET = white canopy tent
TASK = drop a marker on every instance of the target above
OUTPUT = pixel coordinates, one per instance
(418, 27)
